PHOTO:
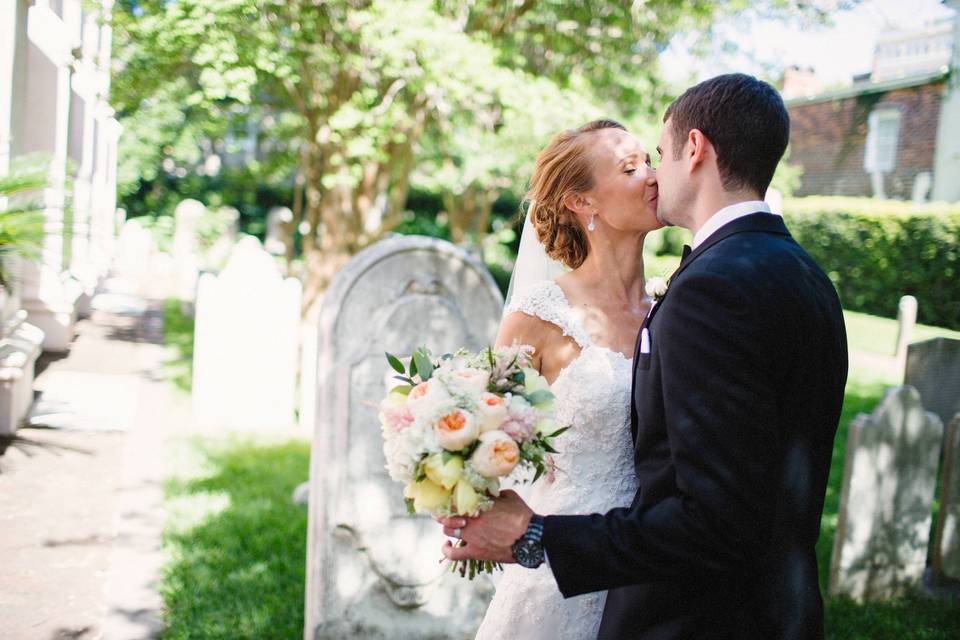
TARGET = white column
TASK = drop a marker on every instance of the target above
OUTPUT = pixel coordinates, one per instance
(19, 341)
(48, 298)
(946, 165)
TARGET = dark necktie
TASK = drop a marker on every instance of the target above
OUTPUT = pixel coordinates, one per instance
(687, 250)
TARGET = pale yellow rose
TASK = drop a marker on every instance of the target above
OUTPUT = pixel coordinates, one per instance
(446, 474)
(465, 499)
(493, 411)
(456, 429)
(545, 426)
(426, 495)
(533, 381)
(496, 456)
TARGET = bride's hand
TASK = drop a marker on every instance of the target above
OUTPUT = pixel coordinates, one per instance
(490, 535)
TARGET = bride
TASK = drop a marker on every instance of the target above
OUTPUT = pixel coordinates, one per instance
(594, 199)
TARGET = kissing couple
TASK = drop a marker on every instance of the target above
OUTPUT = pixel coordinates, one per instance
(687, 497)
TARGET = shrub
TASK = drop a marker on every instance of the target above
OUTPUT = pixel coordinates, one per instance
(876, 251)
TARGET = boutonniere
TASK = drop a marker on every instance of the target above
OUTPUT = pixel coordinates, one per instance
(657, 288)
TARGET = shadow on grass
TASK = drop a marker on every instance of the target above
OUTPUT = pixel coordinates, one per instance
(178, 335)
(238, 571)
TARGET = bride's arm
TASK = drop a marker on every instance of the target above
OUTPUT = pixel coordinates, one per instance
(518, 327)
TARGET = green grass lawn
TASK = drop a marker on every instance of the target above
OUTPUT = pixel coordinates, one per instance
(178, 336)
(237, 544)
(236, 541)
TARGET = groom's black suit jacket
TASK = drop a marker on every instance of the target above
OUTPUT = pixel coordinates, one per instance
(735, 409)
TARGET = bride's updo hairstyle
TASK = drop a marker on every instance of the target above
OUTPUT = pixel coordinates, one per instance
(563, 167)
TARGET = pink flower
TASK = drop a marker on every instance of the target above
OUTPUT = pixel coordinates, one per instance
(394, 414)
(521, 419)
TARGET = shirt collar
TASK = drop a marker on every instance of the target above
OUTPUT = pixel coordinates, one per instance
(727, 215)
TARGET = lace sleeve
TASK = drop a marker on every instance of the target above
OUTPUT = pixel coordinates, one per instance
(545, 300)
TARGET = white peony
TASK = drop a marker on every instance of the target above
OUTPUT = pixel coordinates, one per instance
(470, 380)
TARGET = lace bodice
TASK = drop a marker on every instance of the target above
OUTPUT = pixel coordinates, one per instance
(594, 474)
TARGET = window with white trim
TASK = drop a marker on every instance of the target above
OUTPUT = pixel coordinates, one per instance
(883, 132)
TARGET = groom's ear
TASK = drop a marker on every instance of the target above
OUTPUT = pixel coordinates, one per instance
(696, 148)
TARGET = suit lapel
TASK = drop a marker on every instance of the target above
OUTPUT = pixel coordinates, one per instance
(760, 222)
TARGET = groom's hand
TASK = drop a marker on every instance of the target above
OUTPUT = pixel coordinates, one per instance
(490, 535)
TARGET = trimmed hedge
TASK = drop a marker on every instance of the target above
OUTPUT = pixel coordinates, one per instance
(878, 250)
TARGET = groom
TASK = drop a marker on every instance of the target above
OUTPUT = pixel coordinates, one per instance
(738, 382)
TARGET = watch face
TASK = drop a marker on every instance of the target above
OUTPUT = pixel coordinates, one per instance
(528, 553)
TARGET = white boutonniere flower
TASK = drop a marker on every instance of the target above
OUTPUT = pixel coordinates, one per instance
(657, 288)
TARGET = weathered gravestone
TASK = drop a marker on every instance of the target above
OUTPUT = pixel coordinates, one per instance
(373, 571)
(933, 369)
(186, 252)
(245, 343)
(945, 559)
(906, 321)
(886, 504)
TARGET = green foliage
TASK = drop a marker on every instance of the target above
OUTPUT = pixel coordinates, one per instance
(21, 216)
(237, 544)
(178, 337)
(340, 105)
(876, 251)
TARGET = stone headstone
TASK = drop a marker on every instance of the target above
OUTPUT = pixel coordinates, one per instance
(906, 321)
(373, 571)
(186, 253)
(933, 368)
(245, 343)
(135, 250)
(886, 504)
(214, 257)
(277, 218)
(945, 558)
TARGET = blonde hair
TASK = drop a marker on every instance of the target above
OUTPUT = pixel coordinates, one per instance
(563, 167)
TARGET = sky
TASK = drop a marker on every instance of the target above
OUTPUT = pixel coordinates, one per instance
(765, 47)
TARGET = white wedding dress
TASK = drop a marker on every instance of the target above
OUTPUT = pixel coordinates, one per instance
(594, 474)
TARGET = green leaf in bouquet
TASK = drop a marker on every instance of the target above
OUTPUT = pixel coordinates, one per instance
(410, 508)
(558, 432)
(395, 363)
(404, 379)
(403, 389)
(519, 377)
(539, 397)
(546, 447)
(448, 456)
(412, 369)
(539, 473)
(424, 366)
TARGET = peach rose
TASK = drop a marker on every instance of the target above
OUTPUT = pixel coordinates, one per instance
(497, 455)
(493, 411)
(456, 430)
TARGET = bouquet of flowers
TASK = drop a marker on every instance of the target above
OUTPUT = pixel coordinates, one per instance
(458, 425)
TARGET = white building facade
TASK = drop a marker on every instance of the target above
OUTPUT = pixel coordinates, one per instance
(54, 86)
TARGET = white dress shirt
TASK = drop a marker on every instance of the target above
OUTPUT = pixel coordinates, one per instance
(727, 215)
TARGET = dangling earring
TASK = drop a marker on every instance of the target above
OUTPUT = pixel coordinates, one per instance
(593, 224)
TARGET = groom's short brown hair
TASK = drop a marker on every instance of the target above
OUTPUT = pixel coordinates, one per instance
(743, 118)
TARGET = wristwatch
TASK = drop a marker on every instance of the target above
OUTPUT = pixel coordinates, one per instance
(528, 549)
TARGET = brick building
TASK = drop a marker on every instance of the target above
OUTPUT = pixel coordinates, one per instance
(895, 133)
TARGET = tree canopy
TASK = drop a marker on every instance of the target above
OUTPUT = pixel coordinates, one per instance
(349, 101)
